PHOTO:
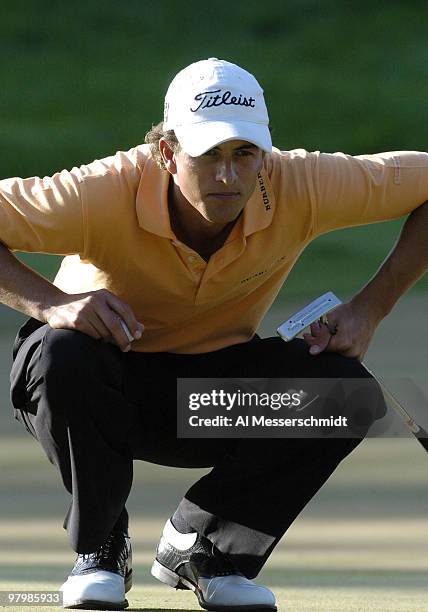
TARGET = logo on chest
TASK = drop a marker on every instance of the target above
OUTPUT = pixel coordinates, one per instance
(264, 271)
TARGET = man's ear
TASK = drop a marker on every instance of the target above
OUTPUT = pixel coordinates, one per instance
(168, 156)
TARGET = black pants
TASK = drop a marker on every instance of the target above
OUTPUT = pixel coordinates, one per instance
(94, 409)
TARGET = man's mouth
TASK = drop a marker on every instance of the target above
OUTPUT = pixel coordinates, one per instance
(225, 195)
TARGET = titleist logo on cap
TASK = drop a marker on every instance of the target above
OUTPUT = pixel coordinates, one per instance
(214, 101)
(207, 99)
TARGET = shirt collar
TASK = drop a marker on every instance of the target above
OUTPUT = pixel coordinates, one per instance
(152, 200)
(152, 203)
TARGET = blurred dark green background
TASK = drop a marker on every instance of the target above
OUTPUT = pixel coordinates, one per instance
(81, 80)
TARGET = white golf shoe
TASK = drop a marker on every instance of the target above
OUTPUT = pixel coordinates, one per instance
(191, 561)
(99, 580)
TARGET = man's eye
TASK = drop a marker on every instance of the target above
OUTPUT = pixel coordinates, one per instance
(244, 153)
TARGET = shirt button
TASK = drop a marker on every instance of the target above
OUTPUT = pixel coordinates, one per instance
(191, 258)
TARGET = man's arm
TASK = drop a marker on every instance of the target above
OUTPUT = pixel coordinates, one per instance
(23, 289)
(405, 264)
(357, 319)
(95, 313)
(50, 215)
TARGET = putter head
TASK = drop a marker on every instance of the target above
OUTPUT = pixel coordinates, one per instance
(307, 315)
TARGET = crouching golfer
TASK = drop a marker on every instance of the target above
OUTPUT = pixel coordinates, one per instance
(187, 240)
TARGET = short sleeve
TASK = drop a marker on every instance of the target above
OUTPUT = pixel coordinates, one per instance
(49, 215)
(42, 215)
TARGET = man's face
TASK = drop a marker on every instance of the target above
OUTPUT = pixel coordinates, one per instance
(220, 182)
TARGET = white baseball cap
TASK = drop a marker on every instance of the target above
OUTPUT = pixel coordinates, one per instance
(213, 101)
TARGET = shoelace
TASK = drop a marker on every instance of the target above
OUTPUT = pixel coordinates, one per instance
(103, 552)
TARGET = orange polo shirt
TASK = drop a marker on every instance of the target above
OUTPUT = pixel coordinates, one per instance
(111, 219)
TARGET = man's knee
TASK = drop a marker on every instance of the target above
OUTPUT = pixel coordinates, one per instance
(274, 357)
(71, 360)
(363, 398)
(65, 351)
(353, 393)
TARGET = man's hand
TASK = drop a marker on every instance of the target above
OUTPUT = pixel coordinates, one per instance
(96, 313)
(349, 331)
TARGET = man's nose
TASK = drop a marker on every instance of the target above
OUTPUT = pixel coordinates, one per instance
(226, 172)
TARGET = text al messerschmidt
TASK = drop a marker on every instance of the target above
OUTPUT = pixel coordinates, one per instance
(262, 421)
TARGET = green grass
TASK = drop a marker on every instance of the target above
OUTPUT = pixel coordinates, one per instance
(322, 564)
(359, 545)
(82, 80)
(360, 599)
(327, 565)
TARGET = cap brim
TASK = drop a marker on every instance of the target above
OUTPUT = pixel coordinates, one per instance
(198, 138)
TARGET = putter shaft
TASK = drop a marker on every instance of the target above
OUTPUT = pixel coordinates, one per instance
(317, 310)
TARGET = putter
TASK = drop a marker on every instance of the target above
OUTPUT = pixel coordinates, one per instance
(317, 311)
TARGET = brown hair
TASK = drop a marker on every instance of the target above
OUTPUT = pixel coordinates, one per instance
(152, 138)
(155, 134)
